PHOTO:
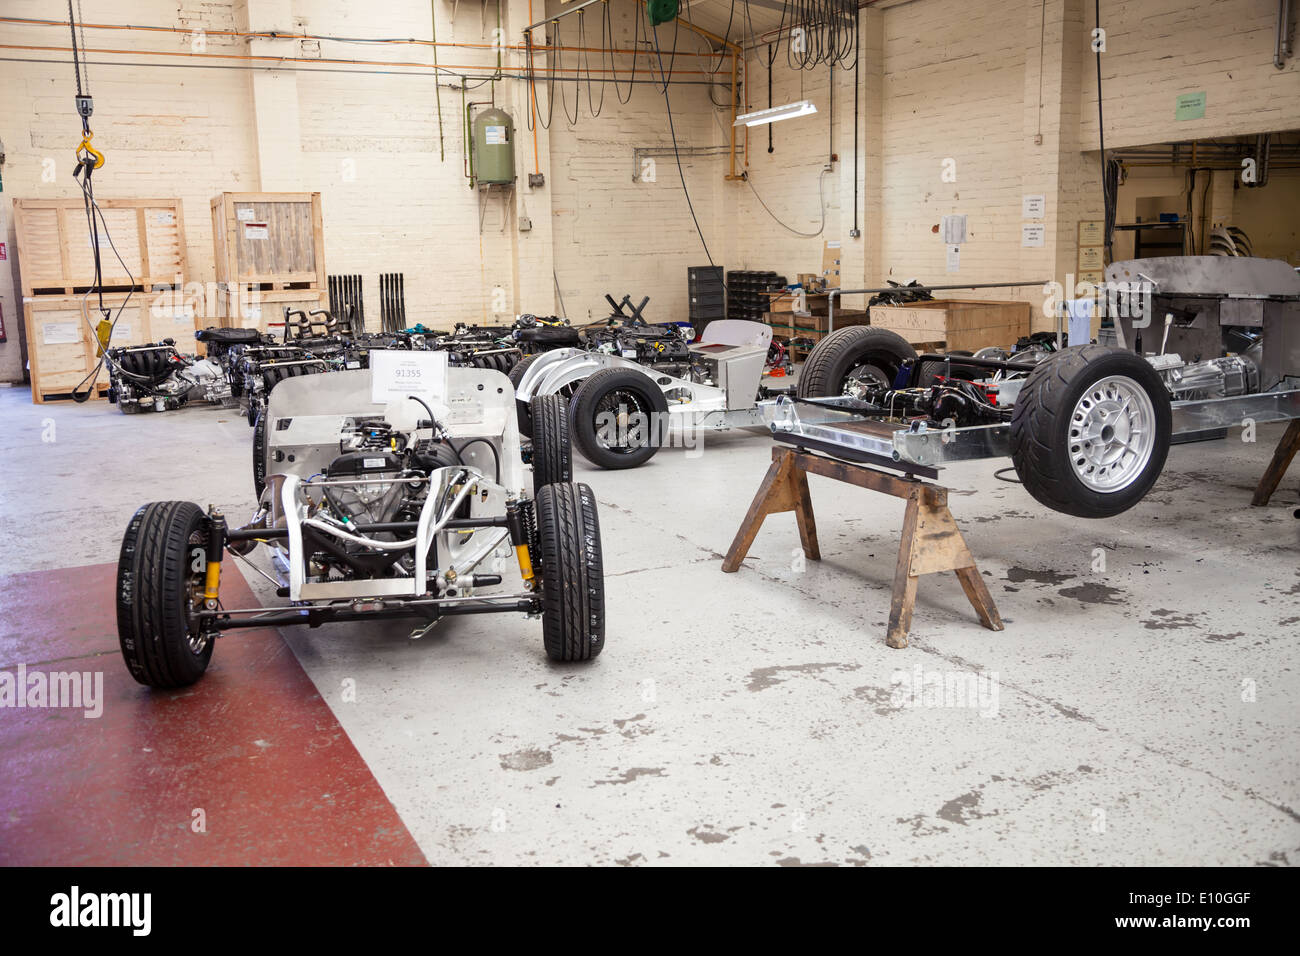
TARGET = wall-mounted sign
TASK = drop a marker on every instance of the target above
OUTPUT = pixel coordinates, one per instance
(1033, 235)
(1092, 233)
(1033, 207)
(1091, 258)
(954, 231)
(1189, 106)
(954, 258)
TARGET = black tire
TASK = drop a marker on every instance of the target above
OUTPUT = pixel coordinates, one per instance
(259, 455)
(516, 375)
(1042, 430)
(860, 351)
(572, 572)
(618, 392)
(552, 448)
(155, 573)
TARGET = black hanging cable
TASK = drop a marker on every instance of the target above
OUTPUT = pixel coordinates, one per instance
(1107, 195)
(676, 153)
(857, 140)
(577, 85)
(636, 52)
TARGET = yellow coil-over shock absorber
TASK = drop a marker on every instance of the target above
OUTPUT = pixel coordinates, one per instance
(518, 525)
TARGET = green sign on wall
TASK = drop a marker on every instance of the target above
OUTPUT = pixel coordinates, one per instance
(1190, 106)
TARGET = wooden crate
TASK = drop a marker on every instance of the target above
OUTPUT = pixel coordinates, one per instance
(961, 324)
(268, 240)
(62, 348)
(55, 252)
(264, 311)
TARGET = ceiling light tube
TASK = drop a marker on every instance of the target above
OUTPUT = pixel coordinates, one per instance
(771, 115)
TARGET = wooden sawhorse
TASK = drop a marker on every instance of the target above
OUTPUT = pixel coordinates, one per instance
(931, 541)
(1282, 455)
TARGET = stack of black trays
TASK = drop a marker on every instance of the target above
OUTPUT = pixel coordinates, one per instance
(707, 295)
(746, 298)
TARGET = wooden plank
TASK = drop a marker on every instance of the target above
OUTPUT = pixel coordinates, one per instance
(1282, 457)
(777, 493)
(904, 593)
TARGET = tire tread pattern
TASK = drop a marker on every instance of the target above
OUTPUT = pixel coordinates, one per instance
(573, 582)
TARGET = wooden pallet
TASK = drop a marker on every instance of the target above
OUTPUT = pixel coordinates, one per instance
(55, 254)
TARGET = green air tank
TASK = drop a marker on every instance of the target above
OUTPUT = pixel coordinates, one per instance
(494, 148)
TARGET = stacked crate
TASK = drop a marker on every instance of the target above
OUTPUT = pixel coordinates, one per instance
(144, 288)
(270, 256)
(747, 293)
(707, 295)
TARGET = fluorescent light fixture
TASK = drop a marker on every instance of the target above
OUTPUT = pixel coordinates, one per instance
(789, 111)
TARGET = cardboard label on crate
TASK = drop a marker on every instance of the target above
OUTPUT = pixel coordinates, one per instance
(257, 230)
(122, 331)
(396, 375)
(60, 333)
(164, 218)
(4, 251)
(243, 213)
(253, 312)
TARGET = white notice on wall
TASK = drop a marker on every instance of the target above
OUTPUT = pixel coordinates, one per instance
(394, 375)
(1033, 235)
(954, 230)
(257, 230)
(954, 258)
(60, 333)
(496, 135)
(1033, 207)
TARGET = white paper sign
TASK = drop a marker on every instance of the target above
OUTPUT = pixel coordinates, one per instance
(164, 218)
(1033, 235)
(243, 212)
(257, 230)
(60, 333)
(1080, 313)
(394, 375)
(954, 231)
(954, 258)
(1033, 207)
(122, 331)
(496, 136)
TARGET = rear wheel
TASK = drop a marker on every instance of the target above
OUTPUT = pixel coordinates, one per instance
(1090, 431)
(552, 449)
(572, 573)
(516, 375)
(618, 416)
(160, 580)
(845, 361)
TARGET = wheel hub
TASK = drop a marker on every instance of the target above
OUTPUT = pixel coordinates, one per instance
(1112, 434)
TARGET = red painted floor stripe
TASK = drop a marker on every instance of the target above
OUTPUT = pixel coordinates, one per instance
(252, 745)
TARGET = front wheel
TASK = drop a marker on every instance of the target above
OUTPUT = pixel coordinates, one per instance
(259, 455)
(1090, 431)
(618, 416)
(160, 578)
(572, 572)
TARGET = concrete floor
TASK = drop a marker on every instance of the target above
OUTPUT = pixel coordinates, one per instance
(1141, 714)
